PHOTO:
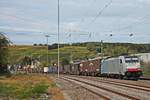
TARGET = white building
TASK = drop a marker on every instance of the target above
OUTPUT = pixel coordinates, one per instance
(145, 57)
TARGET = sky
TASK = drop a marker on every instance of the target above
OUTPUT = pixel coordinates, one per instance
(28, 21)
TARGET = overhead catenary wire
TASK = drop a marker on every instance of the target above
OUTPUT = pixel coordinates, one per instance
(95, 18)
(83, 19)
(87, 11)
(100, 12)
(137, 22)
(123, 28)
(33, 22)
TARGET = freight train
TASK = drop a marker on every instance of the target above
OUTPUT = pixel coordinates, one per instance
(123, 67)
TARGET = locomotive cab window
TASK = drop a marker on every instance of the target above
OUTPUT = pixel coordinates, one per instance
(131, 60)
(120, 61)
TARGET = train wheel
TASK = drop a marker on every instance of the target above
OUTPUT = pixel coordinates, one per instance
(125, 78)
(121, 77)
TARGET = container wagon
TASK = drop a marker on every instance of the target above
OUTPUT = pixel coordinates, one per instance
(66, 69)
(90, 67)
(121, 67)
(75, 68)
(53, 69)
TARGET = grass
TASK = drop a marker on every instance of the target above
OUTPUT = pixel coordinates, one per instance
(26, 87)
(18, 52)
(146, 69)
(146, 74)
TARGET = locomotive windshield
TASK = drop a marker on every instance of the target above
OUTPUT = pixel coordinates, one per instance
(131, 59)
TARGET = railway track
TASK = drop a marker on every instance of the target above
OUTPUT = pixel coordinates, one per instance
(145, 78)
(110, 93)
(132, 90)
(129, 85)
(90, 90)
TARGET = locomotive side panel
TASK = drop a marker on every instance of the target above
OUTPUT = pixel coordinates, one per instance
(111, 66)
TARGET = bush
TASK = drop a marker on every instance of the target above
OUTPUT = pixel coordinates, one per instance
(25, 93)
(146, 68)
(32, 91)
(39, 88)
(6, 89)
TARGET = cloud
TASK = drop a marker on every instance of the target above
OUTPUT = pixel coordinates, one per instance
(33, 16)
(70, 27)
(17, 29)
(144, 1)
(22, 22)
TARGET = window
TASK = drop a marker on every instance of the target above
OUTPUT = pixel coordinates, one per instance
(120, 61)
(131, 59)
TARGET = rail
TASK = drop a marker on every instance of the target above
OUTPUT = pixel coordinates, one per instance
(106, 89)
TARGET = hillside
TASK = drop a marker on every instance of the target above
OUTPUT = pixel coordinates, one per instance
(18, 52)
(78, 50)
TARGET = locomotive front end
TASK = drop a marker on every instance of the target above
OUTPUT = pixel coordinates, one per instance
(133, 67)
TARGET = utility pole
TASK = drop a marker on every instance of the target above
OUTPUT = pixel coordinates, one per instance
(58, 30)
(71, 60)
(47, 36)
(102, 49)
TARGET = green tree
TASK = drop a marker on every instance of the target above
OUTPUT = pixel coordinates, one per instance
(146, 68)
(91, 46)
(3, 53)
(64, 61)
(119, 50)
(26, 61)
(44, 64)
